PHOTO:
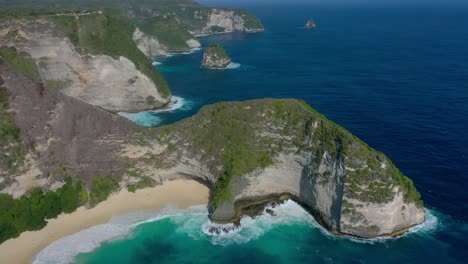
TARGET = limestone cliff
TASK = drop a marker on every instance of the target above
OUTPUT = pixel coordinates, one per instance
(77, 55)
(171, 28)
(148, 44)
(227, 20)
(215, 57)
(196, 18)
(260, 150)
(248, 153)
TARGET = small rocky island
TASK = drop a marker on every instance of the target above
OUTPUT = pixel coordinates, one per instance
(215, 57)
(310, 24)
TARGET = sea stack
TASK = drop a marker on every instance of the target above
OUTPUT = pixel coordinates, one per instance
(215, 57)
(310, 24)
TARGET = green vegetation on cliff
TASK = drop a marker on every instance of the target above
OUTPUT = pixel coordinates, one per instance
(170, 33)
(172, 22)
(11, 152)
(234, 139)
(373, 175)
(31, 211)
(102, 188)
(224, 134)
(216, 50)
(20, 61)
(251, 22)
(9, 133)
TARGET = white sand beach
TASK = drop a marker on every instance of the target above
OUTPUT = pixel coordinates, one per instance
(183, 193)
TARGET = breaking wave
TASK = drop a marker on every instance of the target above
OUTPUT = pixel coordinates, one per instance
(119, 227)
(195, 223)
(233, 66)
(290, 213)
(193, 50)
(151, 118)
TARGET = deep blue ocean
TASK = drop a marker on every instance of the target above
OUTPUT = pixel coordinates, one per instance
(397, 77)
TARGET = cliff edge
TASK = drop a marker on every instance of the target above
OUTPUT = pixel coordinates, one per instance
(88, 56)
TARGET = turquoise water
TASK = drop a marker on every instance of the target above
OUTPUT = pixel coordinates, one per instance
(290, 237)
(396, 77)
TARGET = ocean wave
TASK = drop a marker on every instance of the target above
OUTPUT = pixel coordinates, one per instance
(195, 223)
(146, 119)
(119, 227)
(430, 224)
(151, 119)
(156, 63)
(231, 66)
(290, 213)
(176, 103)
(193, 50)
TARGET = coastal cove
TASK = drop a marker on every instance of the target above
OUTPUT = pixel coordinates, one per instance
(367, 165)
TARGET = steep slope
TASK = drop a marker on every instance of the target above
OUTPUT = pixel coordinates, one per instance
(260, 150)
(158, 26)
(90, 57)
(172, 27)
(248, 153)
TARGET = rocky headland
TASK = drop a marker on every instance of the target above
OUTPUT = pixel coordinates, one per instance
(248, 153)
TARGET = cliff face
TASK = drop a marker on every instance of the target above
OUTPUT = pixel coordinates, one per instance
(226, 20)
(248, 152)
(215, 57)
(171, 28)
(116, 78)
(264, 149)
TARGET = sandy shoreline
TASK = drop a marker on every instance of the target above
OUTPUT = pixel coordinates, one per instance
(183, 193)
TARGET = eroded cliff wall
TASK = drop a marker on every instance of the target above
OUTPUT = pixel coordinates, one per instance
(93, 73)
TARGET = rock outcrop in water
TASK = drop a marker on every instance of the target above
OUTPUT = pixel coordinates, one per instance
(310, 24)
(249, 153)
(215, 57)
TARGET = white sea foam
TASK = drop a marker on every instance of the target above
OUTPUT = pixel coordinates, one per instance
(195, 223)
(177, 102)
(430, 224)
(172, 54)
(119, 227)
(156, 63)
(151, 119)
(231, 66)
(285, 214)
(146, 119)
